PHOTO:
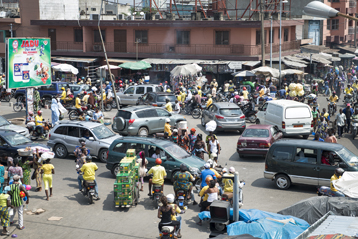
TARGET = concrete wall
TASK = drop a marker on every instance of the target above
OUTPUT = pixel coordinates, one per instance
(59, 9)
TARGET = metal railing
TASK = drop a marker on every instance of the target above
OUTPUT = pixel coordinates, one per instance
(352, 4)
(350, 30)
(193, 49)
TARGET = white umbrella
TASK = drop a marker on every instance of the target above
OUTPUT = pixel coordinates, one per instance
(291, 72)
(197, 67)
(112, 67)
(66, 68)
(243, 74)
(266, 71)
(184, 70)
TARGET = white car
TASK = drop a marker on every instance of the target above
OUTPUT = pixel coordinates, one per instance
(5, 124)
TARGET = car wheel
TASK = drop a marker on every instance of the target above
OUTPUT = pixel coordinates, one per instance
(282, 181)
(202, 121)
(252, 118)
(257, 121)
(60, 151)
(143, 131)
(102, 155)
(115, 170)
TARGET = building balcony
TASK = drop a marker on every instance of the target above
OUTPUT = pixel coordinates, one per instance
(350, 30)
(352, 3)
(168, 51)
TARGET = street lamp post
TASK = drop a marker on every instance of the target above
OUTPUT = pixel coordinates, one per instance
(319, 9)
(279, 57)
(271, 43)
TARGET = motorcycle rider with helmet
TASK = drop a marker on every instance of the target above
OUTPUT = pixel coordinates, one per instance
(334, 98)
(337, 175)
(171, 198)
(39, 122)
(159, 174)
(89, 171)
(182, 182)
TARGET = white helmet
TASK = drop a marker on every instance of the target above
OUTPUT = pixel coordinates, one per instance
(170, 198)
(167, 120)
(231, 170)
(236, 93)
(210, 162)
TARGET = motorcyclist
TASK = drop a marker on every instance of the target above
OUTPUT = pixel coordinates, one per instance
(334, 98)
(205, 173)
(197, 100)
(245, 93)
(63, 95)
(170, 198)
(337, 175)
(168, 106)
(210, 101)
(167, 127)
(182, 182)
(39, 122)
(159, 174)
(228, 183)
(78, 102)
(348, 90)
(199, 91)
(30, 118)
(89, 171)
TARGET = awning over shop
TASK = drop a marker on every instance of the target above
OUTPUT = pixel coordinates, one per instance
(116, 60)
(330, 57)
(74, 59)
(295, 59)
(251, 63)
(315, 57)
(293, 64)
(138, 65)
(346, 55)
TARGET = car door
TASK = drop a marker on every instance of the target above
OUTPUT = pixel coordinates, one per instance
(139, 91)
(149, 117)
(326, 171)
(304, 167)
(162, 115)
(4, 147)
(92, 145)
(261, 114)
(170, 164)
(127, 95)
(72, 138)
(206, 113)
(212, 112)
(138, 147)
(118, 152)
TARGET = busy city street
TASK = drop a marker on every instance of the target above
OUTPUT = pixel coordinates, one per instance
(102, 219)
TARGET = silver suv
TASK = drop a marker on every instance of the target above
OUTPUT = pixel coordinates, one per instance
(64, 138)
(143, 120)
(132, 93)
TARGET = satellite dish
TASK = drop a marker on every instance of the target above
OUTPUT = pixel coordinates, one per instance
(142, 13)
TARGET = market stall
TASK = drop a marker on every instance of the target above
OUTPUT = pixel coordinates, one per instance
(185, 74)
(66, 72)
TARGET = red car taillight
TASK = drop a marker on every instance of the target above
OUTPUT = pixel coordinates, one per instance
(155, 104)
(49, 136)
(130, 122)
(312, 124)
(219, 117)
(242, 117)
(264, 145)
(107, 154)
(283, 125)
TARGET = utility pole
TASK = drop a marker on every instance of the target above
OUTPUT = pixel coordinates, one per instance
(11, 30)
(262, 32)
(271, 43)
(355, 32)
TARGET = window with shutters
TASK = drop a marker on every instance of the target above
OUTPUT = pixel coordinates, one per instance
(222, 37)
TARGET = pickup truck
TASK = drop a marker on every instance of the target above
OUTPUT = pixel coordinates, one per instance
(46, 91)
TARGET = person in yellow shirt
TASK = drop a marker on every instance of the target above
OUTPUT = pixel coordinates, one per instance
(63, 94)
(39, 121)
(170, 198)
(211, 162)
(78, 102)
(210, 101)
(89, 172)
(179, 96)
(159, 174)
(202, 191)
(47, 170)
(199, 91)
(337, 175)
(245, 93)
(349, 89)
(168, 106)
(183, 96)
(85, 98)
(229, 183)
(167, 127)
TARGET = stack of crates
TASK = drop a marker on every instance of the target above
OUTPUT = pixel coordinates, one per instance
(126, 180)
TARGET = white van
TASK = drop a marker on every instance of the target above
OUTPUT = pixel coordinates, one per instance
(292, 117)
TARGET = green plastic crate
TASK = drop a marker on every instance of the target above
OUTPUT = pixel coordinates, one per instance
(130, 153)
(125, 177)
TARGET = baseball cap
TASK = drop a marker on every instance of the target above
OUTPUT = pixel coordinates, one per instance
(207, 165)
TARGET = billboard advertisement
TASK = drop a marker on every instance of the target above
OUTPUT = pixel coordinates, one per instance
(28, 62)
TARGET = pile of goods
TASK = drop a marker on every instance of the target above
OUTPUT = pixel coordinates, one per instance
(296, 90)
(126, 192)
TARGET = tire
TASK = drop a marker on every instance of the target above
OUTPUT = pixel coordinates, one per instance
(257, 121)
(102, 155)
(305, 136)
(17, 107)
(90, 198)
(73, 115)
(114, 104)
(115, 170)
(196, 113)
(143, 131)
(252, 118)
(187, 110)
(282, 181)
(108, 107)
(202, 121)
(19, 98)
(7, 98)
(60, 151)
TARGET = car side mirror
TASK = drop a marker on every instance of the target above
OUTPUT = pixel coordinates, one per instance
(91, 139)
(343, 165)
(260, 108)
(164, 158)
(5, 145)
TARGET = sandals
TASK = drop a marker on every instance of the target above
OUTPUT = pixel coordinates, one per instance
(21, 228)
(7, 233)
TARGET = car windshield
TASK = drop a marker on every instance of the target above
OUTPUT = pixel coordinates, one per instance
(230, 112)
(3, 121)
(75, 88)
(176, 151)
(349, 157)
(16, 139)
(102, 132)
(163, 98)
(256, 133)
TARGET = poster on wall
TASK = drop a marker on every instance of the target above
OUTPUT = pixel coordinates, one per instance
(30, 99)
(28, 62)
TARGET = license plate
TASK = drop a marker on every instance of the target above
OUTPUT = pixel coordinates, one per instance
(231, 120)
(298, 126)
(244, 144)
(180, 204)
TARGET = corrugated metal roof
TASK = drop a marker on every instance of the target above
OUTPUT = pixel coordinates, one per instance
(74, 59)
(330, 57)
(293, 63)
(337, 225)
(315, 57)
(116, 60)
(295, 59)
(191, 61)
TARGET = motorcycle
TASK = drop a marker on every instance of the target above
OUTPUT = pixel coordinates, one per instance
(157, 193)
(331, 107)
(88, 190)
(348, 99)
(354, 123)
(167, 232)
(35, 132)
(181, 198)
(197, 112)
(6, 96)
(74, 113)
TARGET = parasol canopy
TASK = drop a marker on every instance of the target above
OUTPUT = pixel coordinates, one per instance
(291, 72)
(243, 74)
(186, 70)
(138, 65)
(66, 68)
(112, 67)
(266, 71)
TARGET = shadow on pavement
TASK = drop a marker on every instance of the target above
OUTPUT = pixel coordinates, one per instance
(78, 197)
(106, 174)
(73, 185)
(248, 159)
(268, 184)
(192, 223)
(70, 179)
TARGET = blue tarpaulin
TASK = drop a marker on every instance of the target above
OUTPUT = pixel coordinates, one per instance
(263, 225)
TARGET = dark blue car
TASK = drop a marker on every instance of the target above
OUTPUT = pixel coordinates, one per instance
(11, 141)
